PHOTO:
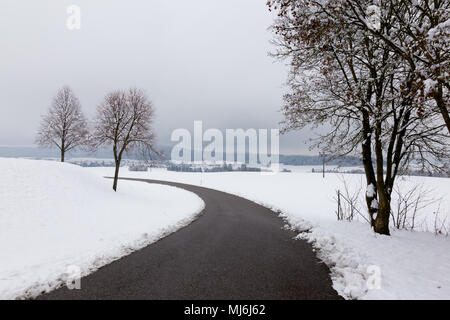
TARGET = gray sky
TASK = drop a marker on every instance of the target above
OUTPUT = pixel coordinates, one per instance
(197, 60)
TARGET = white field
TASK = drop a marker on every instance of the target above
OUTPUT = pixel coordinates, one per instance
(412, 265)
(55, 218)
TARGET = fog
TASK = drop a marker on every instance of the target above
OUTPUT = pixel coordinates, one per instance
(197, 60)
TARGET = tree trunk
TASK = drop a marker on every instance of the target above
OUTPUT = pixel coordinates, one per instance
(384, 211)
(438, 96)
(116, 175)
(63, 149)
(384, 200)
(368, 168)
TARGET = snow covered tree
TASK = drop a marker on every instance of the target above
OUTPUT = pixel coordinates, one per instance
(124, 120)
(345, 78)
(419, 32)
(64, 125)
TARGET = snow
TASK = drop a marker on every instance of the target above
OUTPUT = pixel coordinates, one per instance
(439, 30)
(412, 265)
(374, 204)
(370, 191)
(373, 14)
(429, 86)
(57, 217)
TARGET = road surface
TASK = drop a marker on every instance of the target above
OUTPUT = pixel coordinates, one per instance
(235, 250)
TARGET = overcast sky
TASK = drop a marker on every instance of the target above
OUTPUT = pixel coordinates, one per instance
(197, 60)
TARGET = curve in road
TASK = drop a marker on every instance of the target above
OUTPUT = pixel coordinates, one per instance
(237, 249)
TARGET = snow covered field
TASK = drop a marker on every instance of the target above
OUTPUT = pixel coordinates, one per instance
(56, 218)
(411, 265)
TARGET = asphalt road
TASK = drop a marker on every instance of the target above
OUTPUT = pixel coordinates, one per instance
(235, 250)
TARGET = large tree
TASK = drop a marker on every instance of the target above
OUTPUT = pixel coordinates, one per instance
(124, 121)
(348, 80)
(64, 125)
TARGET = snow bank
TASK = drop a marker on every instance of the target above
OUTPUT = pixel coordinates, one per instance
(54, 215)
(412, 265)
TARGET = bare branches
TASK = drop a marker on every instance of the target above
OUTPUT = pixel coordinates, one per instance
(124, 120)
(409, 205)
(64, 126)
(362, 84)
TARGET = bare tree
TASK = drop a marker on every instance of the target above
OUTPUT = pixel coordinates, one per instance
(348, 201)
(409, 205)
(64, 126)
(345, 79)
(124, 120)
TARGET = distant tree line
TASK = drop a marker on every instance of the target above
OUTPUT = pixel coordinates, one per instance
(303, 160)
(183, 167)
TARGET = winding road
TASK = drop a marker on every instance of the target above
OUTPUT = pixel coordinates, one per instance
(235, 250)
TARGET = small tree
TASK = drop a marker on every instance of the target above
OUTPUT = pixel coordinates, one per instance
(64, 125)
(124, 120)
